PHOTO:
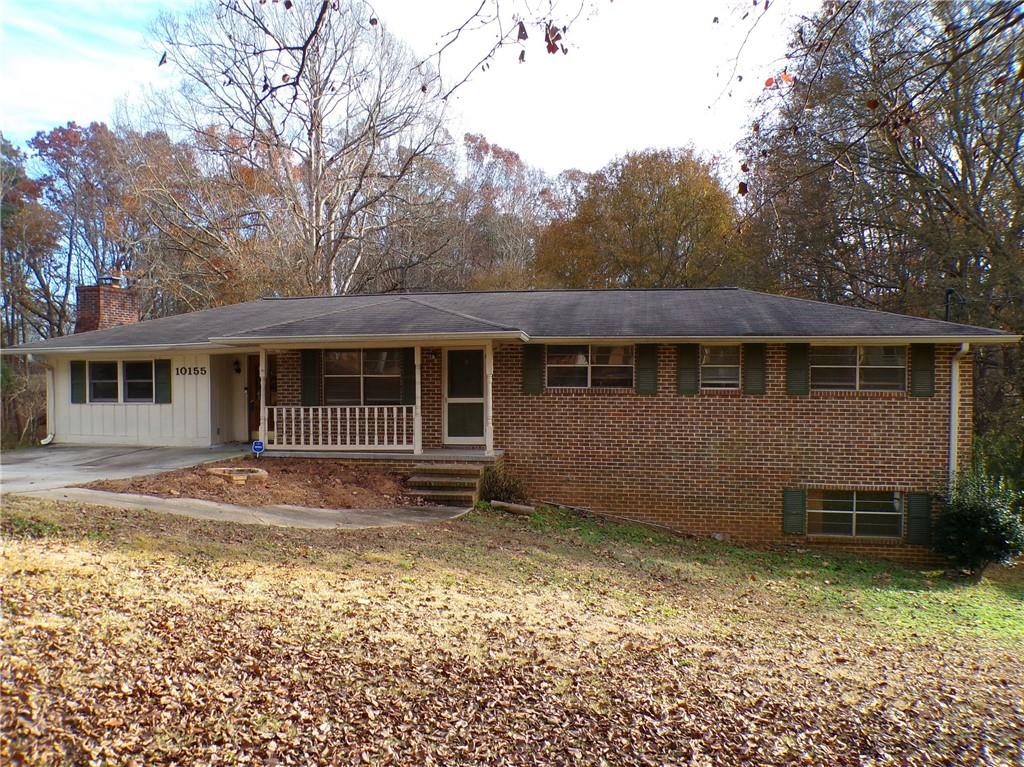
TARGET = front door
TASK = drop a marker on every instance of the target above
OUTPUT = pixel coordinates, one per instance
(252, 394)
(464, 397)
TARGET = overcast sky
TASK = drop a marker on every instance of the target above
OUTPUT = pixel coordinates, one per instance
(640, 73)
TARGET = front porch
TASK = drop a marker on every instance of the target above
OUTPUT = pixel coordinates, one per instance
(384, 402)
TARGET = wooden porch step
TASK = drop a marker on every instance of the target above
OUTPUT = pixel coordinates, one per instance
(443, 480)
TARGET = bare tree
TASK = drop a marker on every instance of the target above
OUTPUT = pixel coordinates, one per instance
(328, 109)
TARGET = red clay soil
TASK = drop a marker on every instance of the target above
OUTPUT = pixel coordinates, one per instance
(312, 482)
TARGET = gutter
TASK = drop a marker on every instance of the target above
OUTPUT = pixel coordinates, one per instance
(979, 340)
(954, 409)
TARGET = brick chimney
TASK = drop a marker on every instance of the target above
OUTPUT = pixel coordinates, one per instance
(105, 305)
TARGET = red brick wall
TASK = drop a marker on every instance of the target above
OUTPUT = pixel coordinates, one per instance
(717, 463)
(430, 392)
(289, 378)
(99, 307)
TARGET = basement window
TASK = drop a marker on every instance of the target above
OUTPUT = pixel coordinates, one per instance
(582, 366)
(138, 381)
(102, 382)
(855, 513)
(858, 368)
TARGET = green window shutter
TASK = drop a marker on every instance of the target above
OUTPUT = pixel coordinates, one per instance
(753, 368)
(78, 383)
(647, 369)
(922, 370)
(162, 382)
(688, 368)
(919, 518)
(794, 511)
(798, 370)
(408, 376)
(533, 369)
(310, 377)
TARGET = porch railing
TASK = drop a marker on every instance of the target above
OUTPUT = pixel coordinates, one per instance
(339, 427)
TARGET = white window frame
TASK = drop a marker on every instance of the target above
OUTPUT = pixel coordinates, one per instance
(117, 382)
(900, 511)
(858, 366)
(738, 366)
(124, 382)
(589, 365)
(362, 375)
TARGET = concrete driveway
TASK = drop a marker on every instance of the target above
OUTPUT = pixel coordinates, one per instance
(47, 472)
(45, 468)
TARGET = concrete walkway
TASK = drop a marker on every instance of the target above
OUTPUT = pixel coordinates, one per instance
(44, 468)
(278, 516)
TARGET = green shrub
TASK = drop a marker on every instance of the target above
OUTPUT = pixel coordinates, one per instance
(981, 523)
(496, 484)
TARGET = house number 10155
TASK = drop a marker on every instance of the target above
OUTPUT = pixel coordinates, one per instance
(200, 371)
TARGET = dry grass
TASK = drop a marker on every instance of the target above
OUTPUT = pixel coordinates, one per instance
(492, 640)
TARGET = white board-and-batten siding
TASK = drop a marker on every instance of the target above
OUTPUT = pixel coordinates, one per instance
(184, 422)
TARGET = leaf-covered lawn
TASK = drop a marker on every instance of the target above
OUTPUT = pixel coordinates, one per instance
(136, 637)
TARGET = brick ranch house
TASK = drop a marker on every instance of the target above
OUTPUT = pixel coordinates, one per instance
(715, 412)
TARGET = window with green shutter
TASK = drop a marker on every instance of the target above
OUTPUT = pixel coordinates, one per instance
(533, 369)
(794, 511)
(409, 376)
(162, 382)
(797, 369)
(688, 369)
(922, 370)
(919, 518)
(310, 377)
(78, 382)
(647, 369)
(754, 368)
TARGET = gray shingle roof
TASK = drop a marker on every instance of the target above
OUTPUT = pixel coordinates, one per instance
(531, 315)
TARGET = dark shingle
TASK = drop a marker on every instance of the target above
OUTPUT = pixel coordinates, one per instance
(690, 314)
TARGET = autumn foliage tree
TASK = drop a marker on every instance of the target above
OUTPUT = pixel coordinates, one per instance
(36, 279)
(659, 218)
(885, 171)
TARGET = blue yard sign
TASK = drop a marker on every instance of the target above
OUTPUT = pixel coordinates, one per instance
(258, 447)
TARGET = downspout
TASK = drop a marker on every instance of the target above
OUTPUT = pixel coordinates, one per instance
(954, 409)
(49, 398)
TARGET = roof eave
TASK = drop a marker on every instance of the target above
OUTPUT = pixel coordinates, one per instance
(830, 340)
(110, 348)
(514, 335)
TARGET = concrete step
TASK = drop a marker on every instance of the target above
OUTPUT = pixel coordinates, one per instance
(442, 480)
(458, 496)
(450, 469)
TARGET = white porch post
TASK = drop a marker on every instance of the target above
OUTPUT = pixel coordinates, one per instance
(417, 409)
(488, 391)
(263, 396)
